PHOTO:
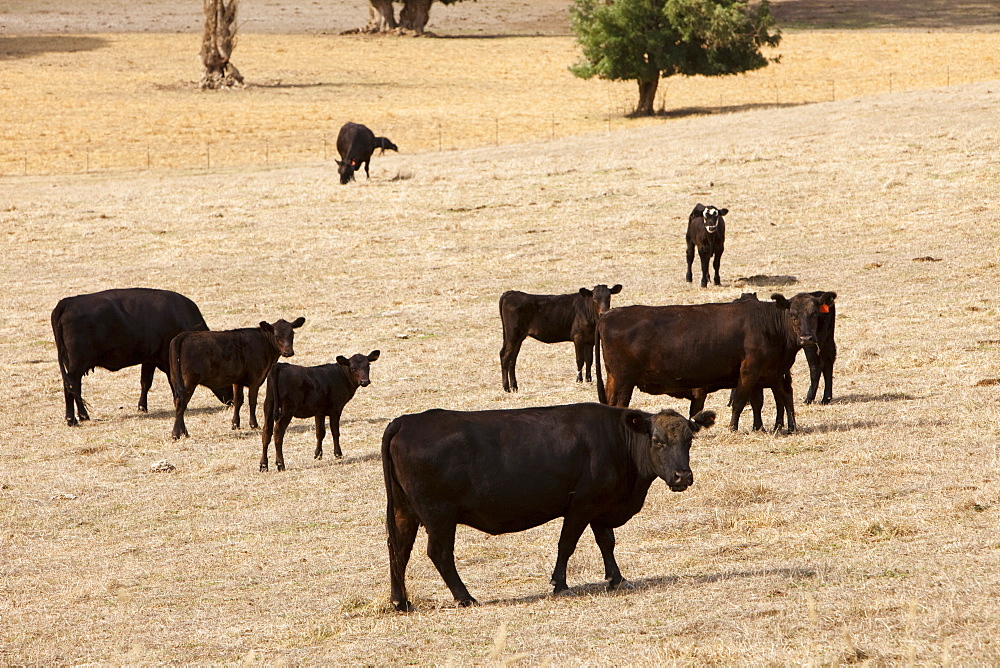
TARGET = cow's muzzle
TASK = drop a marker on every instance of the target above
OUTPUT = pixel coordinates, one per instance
(680, 481)
(807, 341)
(364, 383)
(287, 353)
(711, 228)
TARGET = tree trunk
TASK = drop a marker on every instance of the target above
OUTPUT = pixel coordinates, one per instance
(381, 16)
(217, 43)
(647, 95)
(415, 15)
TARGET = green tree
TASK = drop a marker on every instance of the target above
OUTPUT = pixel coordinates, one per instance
(643, 40)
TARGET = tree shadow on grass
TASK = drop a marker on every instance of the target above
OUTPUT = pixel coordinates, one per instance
(14, 48)
(856, 14)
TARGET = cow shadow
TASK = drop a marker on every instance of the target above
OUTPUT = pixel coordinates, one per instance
(657, 583)
(14, 48)
(863, 398)
(170, 412)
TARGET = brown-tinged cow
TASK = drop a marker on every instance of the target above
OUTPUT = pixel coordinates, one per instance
(311, 391)
(114, 329)
(743, 345)
(551, 319)
(510, 470)
(237, 357)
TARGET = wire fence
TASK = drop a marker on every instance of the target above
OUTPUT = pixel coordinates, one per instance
(676, 97)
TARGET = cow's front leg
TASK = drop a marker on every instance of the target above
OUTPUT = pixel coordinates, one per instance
(252, 391)
(145, 382)
(578, 347)
(705, 258)
(715, 265)
(441, 550)
(690, 261)
(605, 537)
(335, 432)
(237, 404)
(572, 529)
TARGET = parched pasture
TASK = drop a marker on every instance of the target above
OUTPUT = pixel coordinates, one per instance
(869, 536)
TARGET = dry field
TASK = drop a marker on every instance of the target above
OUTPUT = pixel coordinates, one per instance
(870, 536)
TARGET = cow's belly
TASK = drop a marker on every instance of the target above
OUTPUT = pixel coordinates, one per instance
(495, 523)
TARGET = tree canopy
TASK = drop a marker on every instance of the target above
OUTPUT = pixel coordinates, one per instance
(643, 40)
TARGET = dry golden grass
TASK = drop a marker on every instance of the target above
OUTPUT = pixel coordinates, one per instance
(130, 102)
(869, 536)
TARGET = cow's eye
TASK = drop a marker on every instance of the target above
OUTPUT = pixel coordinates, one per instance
(658, 443)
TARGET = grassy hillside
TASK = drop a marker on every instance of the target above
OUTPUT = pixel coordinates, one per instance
(869, 535)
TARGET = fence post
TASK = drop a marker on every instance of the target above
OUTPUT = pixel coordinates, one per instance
(208, 155)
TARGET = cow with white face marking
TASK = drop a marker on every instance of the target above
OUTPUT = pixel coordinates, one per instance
(706, 231)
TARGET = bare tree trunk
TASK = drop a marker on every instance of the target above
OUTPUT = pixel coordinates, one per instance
(415, 15)
(647, 95)
(382, 17)
(217, 44)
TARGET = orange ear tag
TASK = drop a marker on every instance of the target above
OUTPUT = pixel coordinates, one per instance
(824, 308)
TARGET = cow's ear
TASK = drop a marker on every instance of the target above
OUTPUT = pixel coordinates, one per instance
(616, 289)
(373, 355)
(343, 361)
(586, 293)
(266, 326)
(723, 212)
(340, 163)
(298, 322)
(780, 300)
(637, 422)
(827, 298)
(702, 420)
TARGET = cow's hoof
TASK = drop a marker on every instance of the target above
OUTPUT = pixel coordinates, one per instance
(234, 426)
(468, 602)
(143, 409)
(337, 455)
(319, 455)
(83, 417)
(807, 401)
(826, 400)
(72, 422)
(403, 606)
(280, 466)
(263, 467)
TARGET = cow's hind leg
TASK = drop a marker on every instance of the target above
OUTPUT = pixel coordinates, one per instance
(237, 404)
(783, 397)
(402, 533)
(828, 360)
(266, 432)
(757, 407)
(181, 399)
(690, 261)
(441, 550)
(508, 363)
(581, 359)
(572, 529)
(320, 435)
(605, 537)
(145, 382)
(72, 388)
(281, 424)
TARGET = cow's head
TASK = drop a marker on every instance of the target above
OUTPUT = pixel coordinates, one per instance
(670, 436)
(280, 334)
(601, 297)
(804, 310)
(346, 170)
(358, 367)
(712, 217)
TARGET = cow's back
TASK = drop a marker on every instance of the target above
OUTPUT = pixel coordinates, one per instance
(355, 142)
(123, 327)
(507, 470)
(547, 318)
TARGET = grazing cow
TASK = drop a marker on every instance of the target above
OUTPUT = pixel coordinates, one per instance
(356, 143)
(114, 329)
(237, 357)
(311, 391)
(743, 345)
(706, 231)
(551, 319)
(502, 471)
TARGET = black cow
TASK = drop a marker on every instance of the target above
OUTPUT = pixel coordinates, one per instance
(822, 356)
(311, 391)
(551, 319)
(510, 470)
(356, 143)
(706, 231)
(744, 345)
(114, 329)
(237, 357)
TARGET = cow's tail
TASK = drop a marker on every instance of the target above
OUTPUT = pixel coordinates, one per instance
(601, 394)
(396, 568)
(272, 407)
(57, 334)
(176, 377)
(384, 143)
